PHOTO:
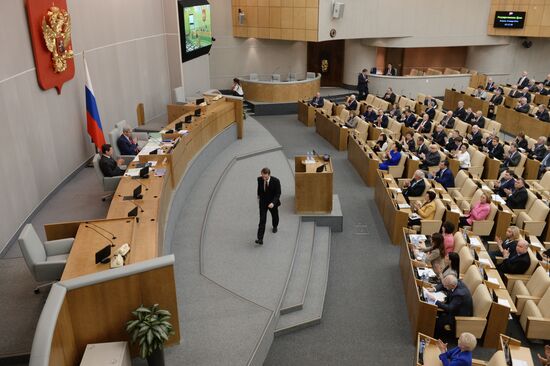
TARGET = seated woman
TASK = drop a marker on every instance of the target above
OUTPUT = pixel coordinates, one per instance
(381, 143)
(461, 355)
(463, 157)
(451, 265)
(236, 88)
(435, 253)
(509, 243)
(393, 157)
(408, 142)
(448, 229)
(425, 210)
(479, 211)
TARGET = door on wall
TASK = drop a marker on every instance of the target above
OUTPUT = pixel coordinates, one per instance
(327, 58)
(394, 56)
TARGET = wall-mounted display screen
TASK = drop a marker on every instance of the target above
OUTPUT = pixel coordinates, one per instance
(509, 19)
(195, 28)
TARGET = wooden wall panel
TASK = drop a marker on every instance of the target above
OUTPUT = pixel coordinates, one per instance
(277, 19)
(435, 57)
(537, 20)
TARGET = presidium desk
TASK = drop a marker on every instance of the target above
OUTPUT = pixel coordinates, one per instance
(96, 312)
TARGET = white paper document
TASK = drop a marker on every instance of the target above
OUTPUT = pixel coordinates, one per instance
(415, 238)
(492, 280)
(475, 242)
(403, 206)
(504, 302)
(133, 172)
(519, 362)
(485, 261)
(439, 296)
(426, 272)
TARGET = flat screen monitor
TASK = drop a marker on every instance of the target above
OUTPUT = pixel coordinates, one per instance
(102, 256)
(133, 212)
(188, 119)
(179, 126)
(195, 28)
(197, 112)
(137, 193)
(509, 19)
(199, 101)
(144, 172)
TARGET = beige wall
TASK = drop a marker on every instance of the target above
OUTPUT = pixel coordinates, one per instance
(43, 134)
(405, 23)
(358, 57)
(230, 57)
(511, 59)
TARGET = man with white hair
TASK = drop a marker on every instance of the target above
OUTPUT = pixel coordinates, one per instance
(523, 81)
(523, 106)
(458, 303)
(448, 121)
(126, 144)
(517, 263)
(351, 103)
(416, 186)
(460, 112)
(542, 113)
(476, 136)
(525, 94)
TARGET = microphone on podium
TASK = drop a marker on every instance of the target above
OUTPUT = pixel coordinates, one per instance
(101, 228)
(143, 184)
(112, 244)
(134, 211)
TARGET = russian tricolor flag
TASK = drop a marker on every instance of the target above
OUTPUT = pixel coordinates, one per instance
(92, 113)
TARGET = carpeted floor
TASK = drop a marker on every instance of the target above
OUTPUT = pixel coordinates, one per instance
(365, 319)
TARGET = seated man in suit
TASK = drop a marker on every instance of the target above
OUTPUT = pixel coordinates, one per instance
(369, 115)
(494, 148)
(544, 166)
(317, 101)
(517, 198)
(389, 96)
(514, 92)
(496, 100)
(523, 106)
(476, 136)
(540, 89)
(452, 143)
(429, 100)
(109, 166)
(546, 81)
(460, 112)
(480, 93)
(525, 94)
(469, 115)
(408, 141)
(381, 119)
(416, 186)
(444, 175)
(432, 158)
(542, 113)
(506, 182)
(390, 70)
(409, 118)
(423, 125)
(490, 86)
(523, 81)
(422, 147)
(539, 149)
(478, 120)
(351, 103)
(458, 303)
(512, 158)
(126, 144)
(518, 263)
(448, 121)
(430, 111)
(439, 135)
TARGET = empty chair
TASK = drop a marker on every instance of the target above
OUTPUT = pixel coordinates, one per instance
(533, 289)
(466, 258)
(544, 184)
(361, 129)
(310, 75)
(535, 318)
(459, 241)
(534, 220)
(466, 192)
(46, 261)
(472, 278)
(253, 77)
(370, 99)
(477, 161)
(276, 77)
(327, 107)
(179, 94)
(475, 324)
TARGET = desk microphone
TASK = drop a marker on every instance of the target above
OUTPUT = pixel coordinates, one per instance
(110, 241)
(138, 206)
(143, 184)
(101, 228)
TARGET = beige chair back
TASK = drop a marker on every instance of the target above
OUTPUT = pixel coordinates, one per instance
(538, 211)
(539, 282)
(460, 178)
(327, 107)
(466, 259)
(370, 99)
(544, 305)
(362, 129)
(469, 188)
(459, 241)
(472, 278)
(461, 127)
(439, 210)
(482, 301)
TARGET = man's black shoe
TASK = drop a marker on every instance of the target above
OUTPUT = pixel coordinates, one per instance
(274, 230)
(258, 241)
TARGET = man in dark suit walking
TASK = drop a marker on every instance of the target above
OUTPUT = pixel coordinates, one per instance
(269, 194)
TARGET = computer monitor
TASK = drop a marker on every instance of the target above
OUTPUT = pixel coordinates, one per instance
(137, 193)
(133, 212)
(188, 119)
(321, 168)
(179, 126)
(103, 255)
(199, 101)
(144, 172)
(154, 152)
(197, 112)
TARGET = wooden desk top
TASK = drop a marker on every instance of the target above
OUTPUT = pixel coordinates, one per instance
(88, 241)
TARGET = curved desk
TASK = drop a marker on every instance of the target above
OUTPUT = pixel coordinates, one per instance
(91, 303)
(280, 91)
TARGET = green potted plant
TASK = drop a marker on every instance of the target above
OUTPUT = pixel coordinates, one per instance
(150, 328)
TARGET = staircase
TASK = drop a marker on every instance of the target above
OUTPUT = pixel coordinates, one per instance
(304, 299)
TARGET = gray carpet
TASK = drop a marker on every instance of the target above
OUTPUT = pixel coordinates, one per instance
(365, 318)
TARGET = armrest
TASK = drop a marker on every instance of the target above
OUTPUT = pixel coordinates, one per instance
(471, 319)
(484, 226)
(534, 227)
(57, 247)
(110, 183)
(536, 299)
(512, 278)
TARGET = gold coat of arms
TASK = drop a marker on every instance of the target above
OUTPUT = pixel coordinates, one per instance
(56, 29)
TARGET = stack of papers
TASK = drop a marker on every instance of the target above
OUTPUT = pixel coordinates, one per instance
(503, 302)
(414, 216)
(439, 296)
(498, 199)
(414, 157)
(485, 261)
(133, 172)
(426, 272)
(415, 238)
(403, 206)
(475, 242)
(492, 280)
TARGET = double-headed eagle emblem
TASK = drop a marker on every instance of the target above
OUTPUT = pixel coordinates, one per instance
(56, 28)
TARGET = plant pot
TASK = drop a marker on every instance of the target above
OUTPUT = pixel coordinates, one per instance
(156, 358)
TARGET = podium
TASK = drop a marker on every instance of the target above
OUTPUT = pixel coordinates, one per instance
(313, 190)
